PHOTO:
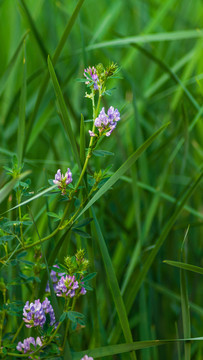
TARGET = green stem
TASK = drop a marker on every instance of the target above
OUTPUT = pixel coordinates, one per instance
(67, 326)
(17, 332)
(89, 154)
(2, 318)
(20, 216)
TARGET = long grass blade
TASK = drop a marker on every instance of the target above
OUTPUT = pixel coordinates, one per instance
(22, 111)
(33, 197)
(181, 265)
(6, 74)
(64, 113)
(115, 291)
(34, 30)
(82, 140)
(141, 39)
(123, 348)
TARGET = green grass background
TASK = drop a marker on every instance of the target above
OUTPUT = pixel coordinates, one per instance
(158, 45)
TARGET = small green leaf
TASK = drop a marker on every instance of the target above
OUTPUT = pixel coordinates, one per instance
(63, 317)
(102, 153)
(54, 215)
(81, 233)
(89, 277)
(83, 222)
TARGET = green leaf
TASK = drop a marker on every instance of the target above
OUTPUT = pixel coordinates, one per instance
(89, 277)
(81, 233)
(83, 222)
(54, 215)
(189, 267)
(76, 314)
(6, 238)
(63, 316)
(102, 153)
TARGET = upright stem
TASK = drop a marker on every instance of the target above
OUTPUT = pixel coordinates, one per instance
(68, 324)
(20, 216)
(2, 318)
(89, 154)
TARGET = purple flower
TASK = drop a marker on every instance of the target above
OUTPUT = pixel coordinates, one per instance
(91, 72)
(48, 309)
(34, 314)
(53, 278)
(57, 177)
(68, 176)
(83, 291)
(92, 133)
(106, 123)
(67, 286)
(87, 358)
(25, 346)
(62, 180)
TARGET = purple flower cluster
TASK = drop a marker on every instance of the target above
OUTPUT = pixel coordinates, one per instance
(34, 314)
(67, 286)
(53, 278)
(87, 358)
(67, 177)
(91, 71)
(106, 123)
(25, 346)
(63, 180)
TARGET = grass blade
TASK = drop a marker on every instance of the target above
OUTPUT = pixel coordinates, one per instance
(4, 77)
(33, 197)
(185, 266)
(185, 303)
(141, 39)
(118, 300)
(7, 188)
(82, 140)
(123, 348)
(22, 114)
(34, 30)
(64, 112)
